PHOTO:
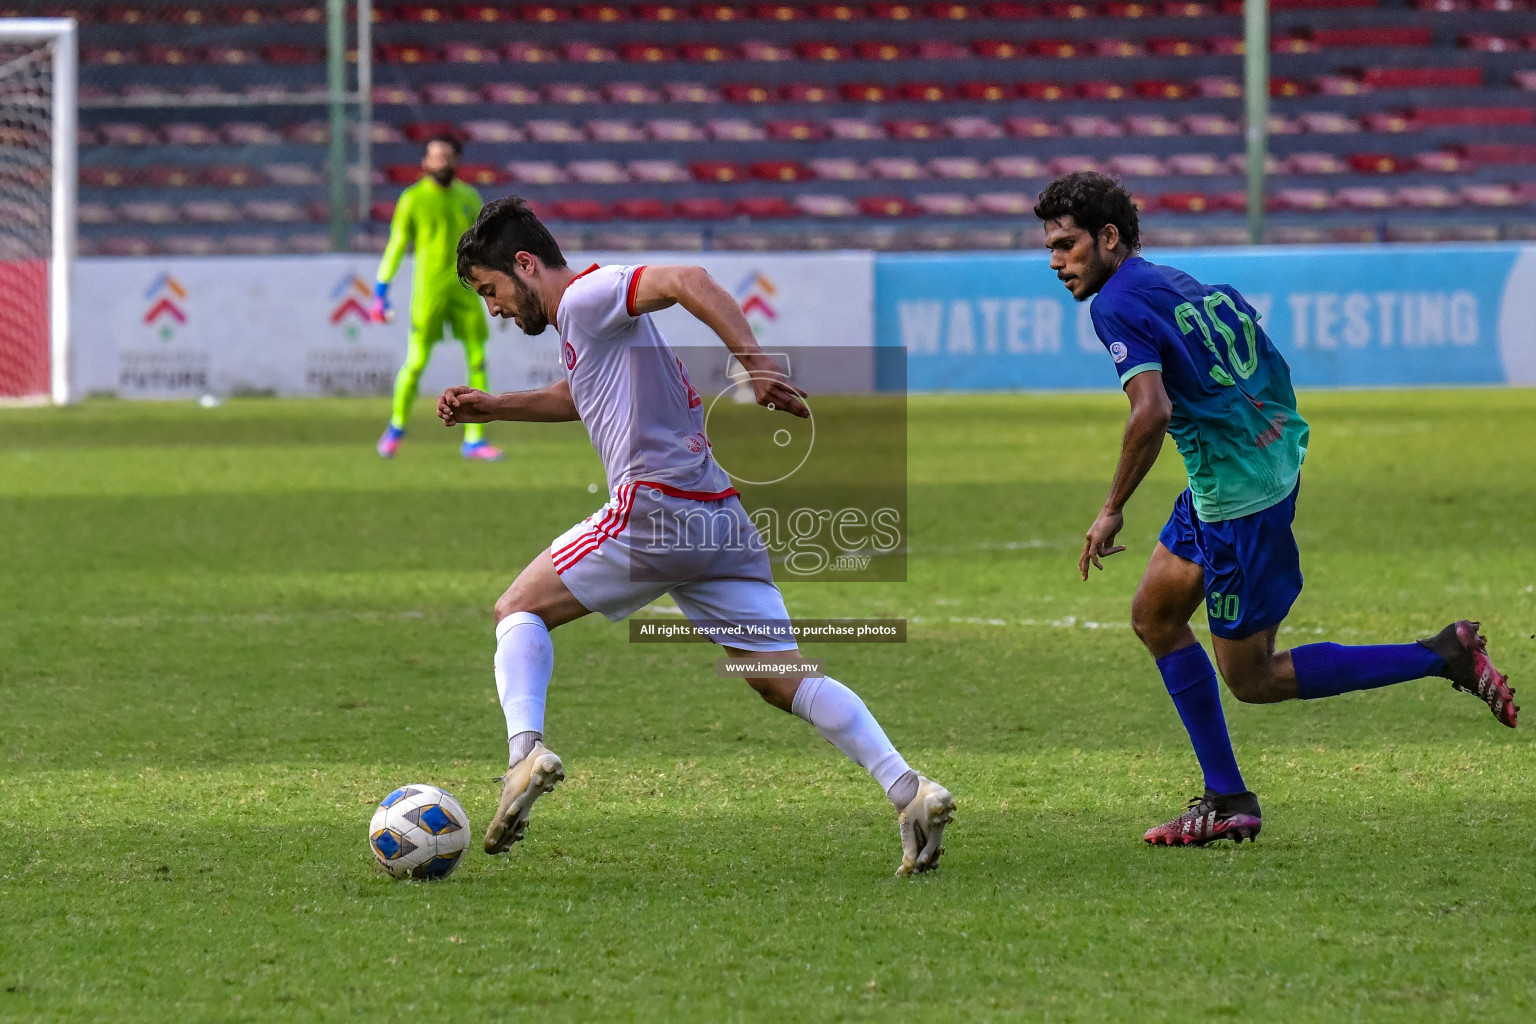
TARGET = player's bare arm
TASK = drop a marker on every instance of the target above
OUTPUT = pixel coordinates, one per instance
(701, 295)
(1139, 448)
(553, 404)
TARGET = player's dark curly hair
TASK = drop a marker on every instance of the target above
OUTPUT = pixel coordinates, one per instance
(505, 228)
(1092, 200)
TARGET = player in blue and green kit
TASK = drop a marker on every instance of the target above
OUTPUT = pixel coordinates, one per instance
(1195, 363)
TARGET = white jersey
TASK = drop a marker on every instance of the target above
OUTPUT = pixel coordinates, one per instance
(631, 390)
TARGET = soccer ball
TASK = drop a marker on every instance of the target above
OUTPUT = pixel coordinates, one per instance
(419, 832)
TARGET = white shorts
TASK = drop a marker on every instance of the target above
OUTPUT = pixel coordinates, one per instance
(706, 555)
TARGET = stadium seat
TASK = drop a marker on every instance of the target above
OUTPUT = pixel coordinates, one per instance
(1423, 78)
(1017, 167)
(108, 55)
(535, 172)
(923, 92)
(1112, 46)
(870, 49)
(865, 92)
(1210, 124)
(581, 52)
(836, 12)
(661, 12)
(1377, 163)
(587, 210)
(989, 91)
(719, 171)
(1161, 89)
(778, 12)
(482, 175)
(1437, 117)
(944, 204)
(1367, 197)
(745, 93)
(1194, 164)
(826, 206)
(1092, 126)
(972, 128)
(648, 53)
(615, 131)
(807, 92)
(630, 92)
(247, 14)
(543, 14)
(958, 168)
(1314, 163)
(492, 131)
(107, 176)
(402, 174)
(940, 49)
(129, 133)
(394, 95)
(1500, 153)
(732, 129)
(95, 213)
(838, 169)
(428, 14)
(1072, 164)
(1491, 195)
(1427, 197)
(571, 92)
(449, 92)
(1059, 49)
(601, 13)
(210, 211)
(854, 128)
(381, 211)
(658, 172)
(1031, 128)
(1135, 165)
(914, 130)
(148, 212)
(1154, 125)
(1370, 37)
(193, 245)
(1387, 121)
(469, 53)
(1053, 91)
(1525, 79)
(550, 130)
(689, 92)
(514, 95)
(897, 168)
(705, 208)
(1006, 204)
(1300, 199)
(419, 132)
(384, 53)
(1170, 46)
(1487, 42)
(136, 245)
(1442, 161)
(765, 52)
(1220, 87)
(178, 176)
(1189, 202)
(781, 170)
(673, 130)
(887, 206)
(796, 131)
(1288, 88)
(250, 245)
(523, 52)
(232, 56)
(308, 133)
(172, 55)
(274, 211)
(294, 175)
(642, 209)
(765, 207)
(821, 51)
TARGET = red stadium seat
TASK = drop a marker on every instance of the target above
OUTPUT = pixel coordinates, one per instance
(246, 14)
(529, 53)
(231, 56)
(887, 206)
(837, 12)
(587, 210)
(731, 129)
(838, 169)
(420, 131)
(485, 13)
(394, 95)
(719, 13)
(1168, 46)
(1099, 89)
(778, 12)
(1110, 46)
(109, 55)
(428, 14)
(184, 133)
(781, 170)
(1361, 37)
(658, 172)
(991, 91)
(602, 13)
(796, 131)
(707, 53)
(402, 174)
(1189, 202)
(130, 133)
(951, 11)
(1068, 11)
(662, 12)
(923, 92)
(1378, 163)
(308, 133)
(1161, 89)
(580, 52)
(707, 208)
(1049, 91)
(536, 172)
(1474, 116)
(689, 92)
(875, 50)
(1224, 46)
(1484, 42)
(765, 207)
(1183, 9)
(232, 176)
(1500, 153)
(997, 49)
(748, 93)
(668, 129)
(1423, 78)
(511, 94)
(822, 51)
(642, 209)
(169, 55)
(306, 14)
(483, 175)
(808, 92)
(167, 176)
(545, 14)
(940, 49)
(1017, 167)
(1010, 11)
(394, 53)
(886, 11)
(913, 130)
(865, 92)
(1061, 49)
(720, 171)
(1031, 128)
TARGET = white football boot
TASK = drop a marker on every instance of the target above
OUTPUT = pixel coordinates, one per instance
(526, 781)
(922, 824)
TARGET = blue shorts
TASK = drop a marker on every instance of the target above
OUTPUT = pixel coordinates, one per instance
(1252, 567)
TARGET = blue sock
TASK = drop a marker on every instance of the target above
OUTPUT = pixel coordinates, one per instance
(1326, 670)
(1191, 682)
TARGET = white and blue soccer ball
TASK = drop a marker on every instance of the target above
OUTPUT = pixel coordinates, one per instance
(419, 832)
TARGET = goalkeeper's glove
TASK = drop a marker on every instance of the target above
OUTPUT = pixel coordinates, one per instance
(381, 312)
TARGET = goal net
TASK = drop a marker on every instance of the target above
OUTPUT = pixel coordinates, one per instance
(37, 208)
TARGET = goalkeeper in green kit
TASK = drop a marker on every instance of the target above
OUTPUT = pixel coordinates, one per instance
(432, 214)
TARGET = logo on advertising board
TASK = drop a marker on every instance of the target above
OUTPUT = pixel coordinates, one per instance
(163, 367)
(756, 294)
(349, 311)
(354, 368)
(167, 310)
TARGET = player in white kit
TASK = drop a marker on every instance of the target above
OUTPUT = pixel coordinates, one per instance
(647, 424)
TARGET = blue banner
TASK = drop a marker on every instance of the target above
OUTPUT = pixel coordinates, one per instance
(1343, 317)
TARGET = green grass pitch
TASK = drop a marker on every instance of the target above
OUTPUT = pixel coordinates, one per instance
(225, 634)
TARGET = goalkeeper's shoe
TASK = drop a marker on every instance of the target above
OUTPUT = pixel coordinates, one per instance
(526, 781)
(481, 451)
(1465, 654)
(1211, 817)
(921, 824)
(389, 443)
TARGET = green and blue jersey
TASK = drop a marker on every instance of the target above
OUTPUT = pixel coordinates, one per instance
(1234, 411)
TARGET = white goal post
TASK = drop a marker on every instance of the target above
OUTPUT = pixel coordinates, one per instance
(54, 61)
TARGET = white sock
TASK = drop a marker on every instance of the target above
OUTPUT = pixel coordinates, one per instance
(525, 659)
(843, 721)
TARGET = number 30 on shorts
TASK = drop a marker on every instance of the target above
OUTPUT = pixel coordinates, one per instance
(1223, 606)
